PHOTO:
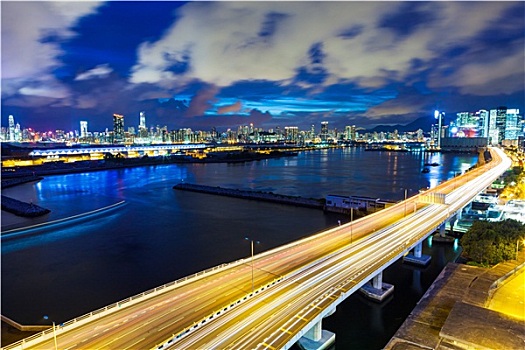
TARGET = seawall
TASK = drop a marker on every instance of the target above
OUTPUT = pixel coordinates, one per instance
(257, 195)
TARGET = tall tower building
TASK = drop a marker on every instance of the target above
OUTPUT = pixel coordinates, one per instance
(501, 121)
(291, 133)
(83, 129)
(11, 128)
(350, 133)
(118, 127)
(511, 124)
(324, 131)
(493, 130)
(142, 122)
(483, 123)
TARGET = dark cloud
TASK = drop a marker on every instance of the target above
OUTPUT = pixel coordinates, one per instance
(409, 17)
(201, 102)
(271, 23)
(236, 107)
(351, 32)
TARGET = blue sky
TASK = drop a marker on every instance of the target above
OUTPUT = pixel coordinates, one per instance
(222, 64)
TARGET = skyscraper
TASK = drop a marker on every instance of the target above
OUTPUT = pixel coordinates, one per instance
(118, 127)
(142, 123)
(83, 129)
(501, 121)
(511, 124)
(324, 131)
(11, 128)
(483, 123)
(350, 133)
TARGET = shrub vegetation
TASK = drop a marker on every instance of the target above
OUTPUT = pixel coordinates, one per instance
(489, 243)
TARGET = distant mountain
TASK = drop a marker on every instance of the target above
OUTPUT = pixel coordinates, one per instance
(423, 123)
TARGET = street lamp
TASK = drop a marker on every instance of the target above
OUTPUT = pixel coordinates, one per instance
(54, 332)
(251, 240)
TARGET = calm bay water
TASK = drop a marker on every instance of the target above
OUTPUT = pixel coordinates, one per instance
(158, 234)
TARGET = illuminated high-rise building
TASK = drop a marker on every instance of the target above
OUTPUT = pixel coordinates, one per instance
(118, 127)
(83, 129)
(142, 122)
(11, 128)
(511, 124)
(500, 115)
(291, 133)
(483, 123)
(350, 133)
(324, 131)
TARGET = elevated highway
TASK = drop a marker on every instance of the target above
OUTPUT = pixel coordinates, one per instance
(294, 285)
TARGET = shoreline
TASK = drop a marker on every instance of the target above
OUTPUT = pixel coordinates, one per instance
(61, 168)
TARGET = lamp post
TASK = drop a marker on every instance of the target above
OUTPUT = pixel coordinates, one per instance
(54, 332)
(251, 240)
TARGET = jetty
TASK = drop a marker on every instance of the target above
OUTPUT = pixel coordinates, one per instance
(256, 195)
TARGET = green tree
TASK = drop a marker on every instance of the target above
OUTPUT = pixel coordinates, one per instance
(489, 243)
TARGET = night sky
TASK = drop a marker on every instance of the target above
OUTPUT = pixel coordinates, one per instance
(223, 64)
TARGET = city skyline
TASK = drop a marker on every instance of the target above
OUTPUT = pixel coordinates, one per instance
(224, 64)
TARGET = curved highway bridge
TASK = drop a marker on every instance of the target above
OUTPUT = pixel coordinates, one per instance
(270, 302)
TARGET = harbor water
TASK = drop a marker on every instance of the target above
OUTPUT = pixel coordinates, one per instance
(116, 233)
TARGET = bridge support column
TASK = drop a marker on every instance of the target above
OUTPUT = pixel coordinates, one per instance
(376, 289)
(441, 237)
(317, 338)
(451, 222)
(417, 257)
(442, 230)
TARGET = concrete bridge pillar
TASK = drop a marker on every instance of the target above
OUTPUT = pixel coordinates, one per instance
(315, 333)
(417, 257)
(317, 338)
(442, 230)
(451, 222)
(376, 289)
(418, 249)
(377, 281)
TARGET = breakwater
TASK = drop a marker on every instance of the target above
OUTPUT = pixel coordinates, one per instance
(256, 195)
(19, 208)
